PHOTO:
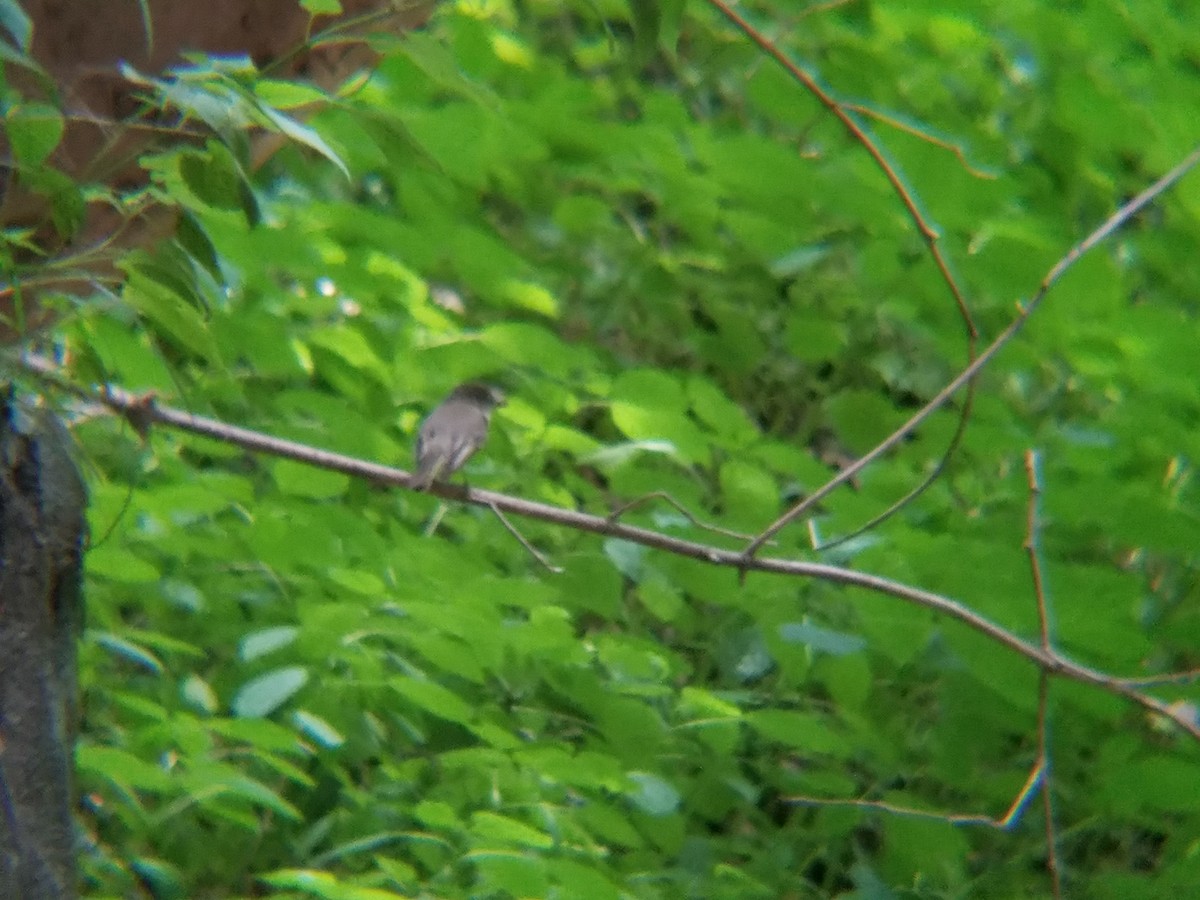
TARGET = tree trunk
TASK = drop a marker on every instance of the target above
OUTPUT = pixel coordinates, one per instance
(41, 534)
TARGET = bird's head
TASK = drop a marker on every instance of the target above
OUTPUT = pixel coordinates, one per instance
(477, 392)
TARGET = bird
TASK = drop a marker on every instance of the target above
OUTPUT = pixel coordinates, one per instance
(452, 433)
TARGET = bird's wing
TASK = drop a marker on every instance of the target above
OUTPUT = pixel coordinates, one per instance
(442, 450)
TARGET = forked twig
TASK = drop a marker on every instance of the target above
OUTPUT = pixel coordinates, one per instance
(1039, 778)
(928, 233)
(1118, 218)
(926, 482)
(921, 135)
(620, 511)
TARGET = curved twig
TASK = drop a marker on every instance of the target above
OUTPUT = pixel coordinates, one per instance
(1122, 215)
(930, 236)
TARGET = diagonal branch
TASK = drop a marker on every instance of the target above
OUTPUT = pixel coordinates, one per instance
(144, 411)
(842, 113)
(1115, 221)
(524, 542)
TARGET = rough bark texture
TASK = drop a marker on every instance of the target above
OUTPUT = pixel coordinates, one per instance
(41, 535)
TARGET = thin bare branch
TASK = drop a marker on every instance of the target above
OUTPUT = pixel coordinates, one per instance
(1118, 218)
(933, 475)
(1053, 662)
(679, 508)
(1032, 784)
(1184, 677)
(1033, 477)
(432, 525)
(533, 551)
(928, 232)
(1010, 817)
(921, 135)
(1053, 866)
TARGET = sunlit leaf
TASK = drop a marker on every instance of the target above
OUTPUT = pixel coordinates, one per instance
(263, 695)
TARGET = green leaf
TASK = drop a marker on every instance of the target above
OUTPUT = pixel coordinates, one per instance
(583, 880)
(751, 494)
(303, 480)
(1158, 783)
(214, 783)
(496, 829)
(216, 179)
(628, 558)
(526, 344)
(435, 699)
(804, 731)
(814, 338)
(318, 729)
(698, 703)
(67, 204)
(315, 883)
(130, 651)
(14, 20)
(670, 25)
(195, 241)
(529, 296)
(164, 308)
(261, 696)
(724, 417)
(121, 565)
(302, 134)
(439, 64)
(163, 880)
(288, 94)
(322, 7)
(822, 639)
(34, 130)
(661, 598)
(199, 693)
(649, 404)
(653, 795)
(647, 19)
(437, 815)
(516, 874)
(202, 93)
(121, 767)
(268, 640)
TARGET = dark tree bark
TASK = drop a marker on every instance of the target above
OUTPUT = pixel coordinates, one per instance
(41, 543)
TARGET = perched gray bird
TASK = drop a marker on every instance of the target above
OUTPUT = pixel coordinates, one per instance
(452, 433)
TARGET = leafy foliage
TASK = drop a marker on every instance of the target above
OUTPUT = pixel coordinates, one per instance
(690, 280)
